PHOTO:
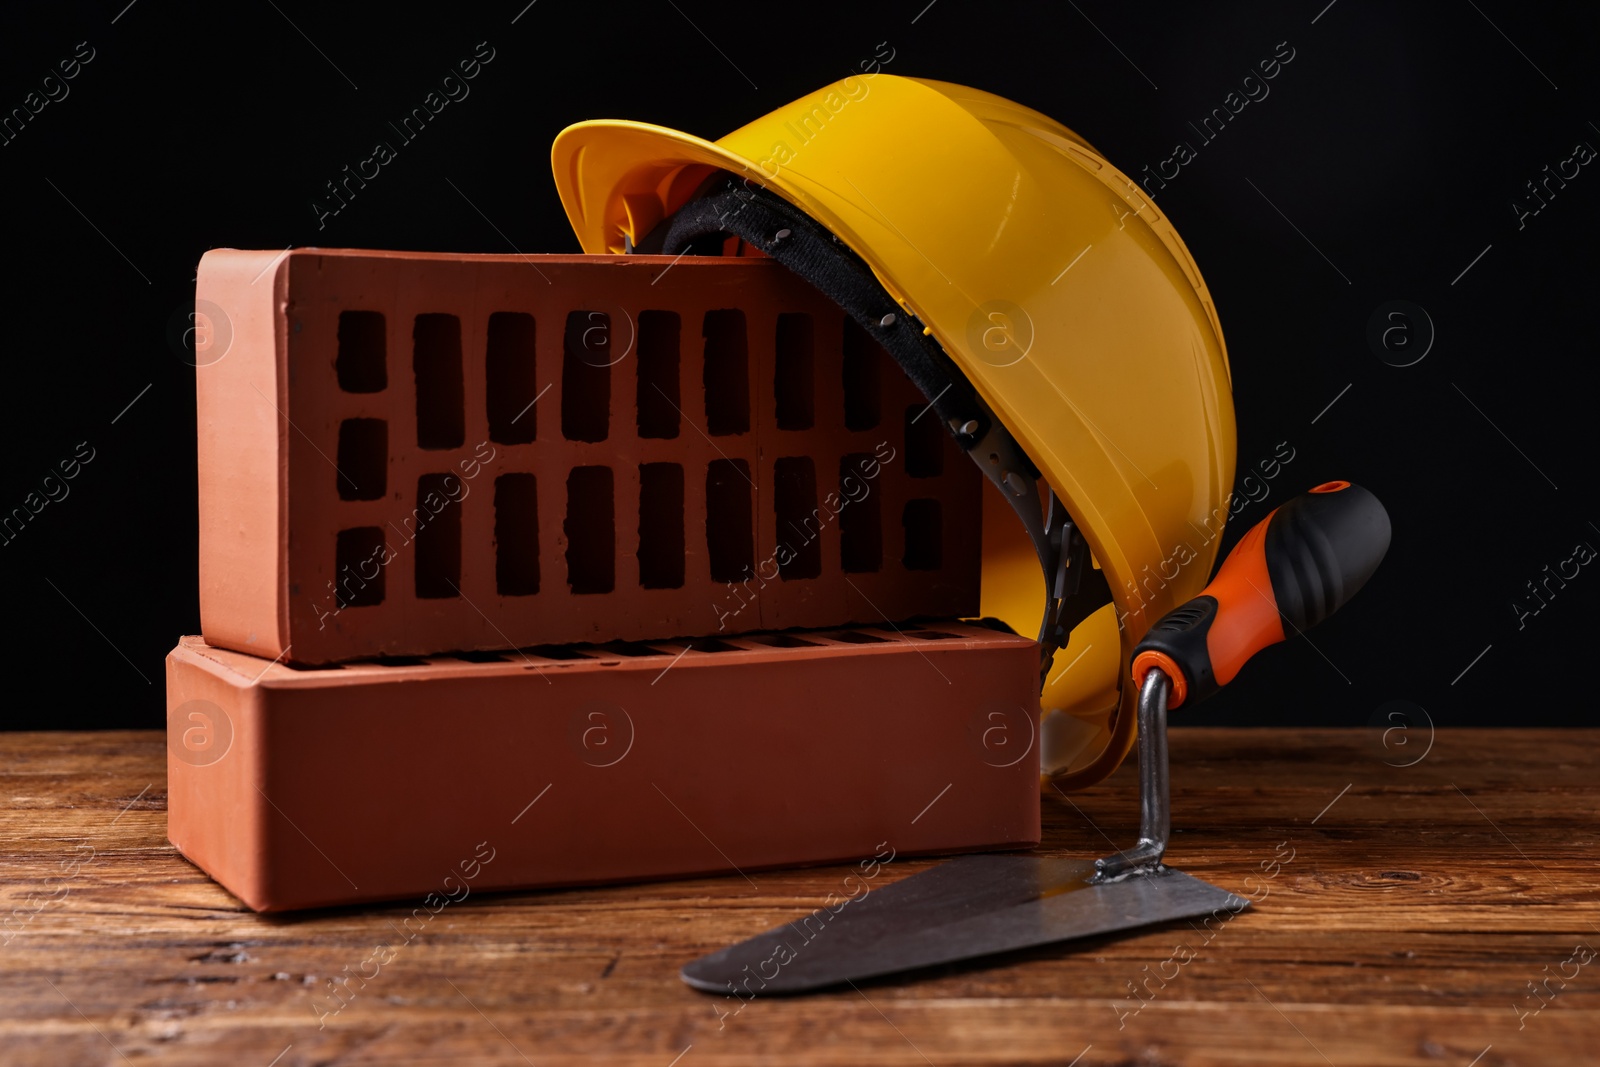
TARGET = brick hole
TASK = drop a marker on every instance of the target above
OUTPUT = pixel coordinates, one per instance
(398, 661)
(361, 362)
(792, 384)
(784, 641)
(860, 517)
(924, 442)
(661, 525)
(438, 535)
(730, 543)
(312, 667)
(799, 525)
(924, 530)
(727, 373)
(436, 361)
(855, 637)
(586, 376)
(930, 635)
(713, 645)
(512, 382)
(479, 657)
(591, 530)
(630, 648)
(656, 396)
(863, 377)
(516, 535)
(358, 567)
(556, 652)
(363, 459)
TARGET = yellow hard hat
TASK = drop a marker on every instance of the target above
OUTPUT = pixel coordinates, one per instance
(1038, 298)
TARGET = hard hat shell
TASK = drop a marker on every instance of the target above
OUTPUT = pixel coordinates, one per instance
(1058, 288)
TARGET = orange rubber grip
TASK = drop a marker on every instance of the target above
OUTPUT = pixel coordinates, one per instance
(1247, 612)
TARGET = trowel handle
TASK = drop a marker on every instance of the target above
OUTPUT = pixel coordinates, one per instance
(1293, 569)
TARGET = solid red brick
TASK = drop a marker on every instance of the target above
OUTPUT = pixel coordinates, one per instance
(361, 413)
(296, 788)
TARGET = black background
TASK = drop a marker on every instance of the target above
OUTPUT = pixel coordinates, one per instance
(1396, 141)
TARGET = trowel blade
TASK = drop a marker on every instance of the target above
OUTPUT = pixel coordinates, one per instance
(966, 908)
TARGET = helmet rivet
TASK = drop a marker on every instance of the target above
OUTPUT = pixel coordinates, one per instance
(780, 235)
(969, 427)
(1015, 483)
(887, 320)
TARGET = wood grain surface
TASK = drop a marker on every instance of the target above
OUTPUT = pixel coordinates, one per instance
(1429, 901)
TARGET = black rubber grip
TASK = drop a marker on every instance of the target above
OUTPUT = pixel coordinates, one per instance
(1180, 635)
(1321, 548)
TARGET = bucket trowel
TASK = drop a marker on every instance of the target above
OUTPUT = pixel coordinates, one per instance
(1288, 573)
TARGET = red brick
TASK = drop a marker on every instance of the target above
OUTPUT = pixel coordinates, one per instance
(308, 449)
(297, 788)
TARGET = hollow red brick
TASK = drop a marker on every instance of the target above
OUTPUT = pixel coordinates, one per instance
(297, 788)
(402, 453)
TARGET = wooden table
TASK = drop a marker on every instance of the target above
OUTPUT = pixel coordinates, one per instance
(1405, 915)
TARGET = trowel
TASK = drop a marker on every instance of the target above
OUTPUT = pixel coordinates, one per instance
(1288, 573)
